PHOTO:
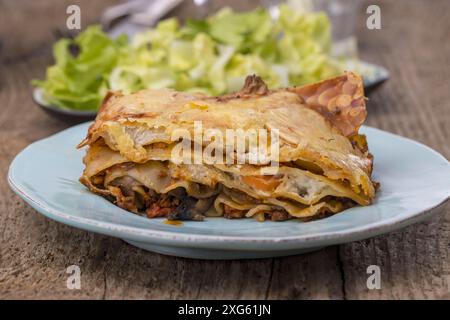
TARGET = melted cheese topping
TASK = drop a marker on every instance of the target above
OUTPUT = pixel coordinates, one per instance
(319, 160)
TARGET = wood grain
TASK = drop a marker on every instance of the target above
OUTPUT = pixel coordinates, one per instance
(415, 103)
(35, 251)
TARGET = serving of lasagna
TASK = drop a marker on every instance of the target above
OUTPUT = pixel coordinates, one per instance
(322, 164)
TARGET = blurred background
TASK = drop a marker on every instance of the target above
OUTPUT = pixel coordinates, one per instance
(406, 48)
(48, 18)
(202, 46)
(140, 14)
(414, 54)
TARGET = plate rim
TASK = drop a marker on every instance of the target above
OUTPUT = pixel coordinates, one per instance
(225, 241)
(38, 98)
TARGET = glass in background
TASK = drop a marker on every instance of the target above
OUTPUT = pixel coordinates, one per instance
(343, 16)
(342, 13)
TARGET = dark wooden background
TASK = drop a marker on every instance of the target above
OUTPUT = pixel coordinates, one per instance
(415, 263)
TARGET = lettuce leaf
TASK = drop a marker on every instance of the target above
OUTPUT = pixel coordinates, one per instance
(212, 56)
(78, 78)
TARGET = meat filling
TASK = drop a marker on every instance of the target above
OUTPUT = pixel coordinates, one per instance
(278, 215)
(131, 195)
(162, 206)
(231, 213)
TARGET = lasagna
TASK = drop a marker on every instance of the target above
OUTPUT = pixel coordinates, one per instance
(322, 164)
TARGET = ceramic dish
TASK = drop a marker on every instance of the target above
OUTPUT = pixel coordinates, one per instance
(415, 183)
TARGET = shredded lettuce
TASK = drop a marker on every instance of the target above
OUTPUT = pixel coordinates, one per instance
(212, 56)
(79, 78)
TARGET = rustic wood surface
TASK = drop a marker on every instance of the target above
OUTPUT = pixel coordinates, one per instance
(35, 251)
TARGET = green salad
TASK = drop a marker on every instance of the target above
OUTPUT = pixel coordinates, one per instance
(212, 56)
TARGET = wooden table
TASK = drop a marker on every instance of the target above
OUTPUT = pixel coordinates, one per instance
(35, 251)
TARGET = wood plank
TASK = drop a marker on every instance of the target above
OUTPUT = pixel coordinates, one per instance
(415, 262)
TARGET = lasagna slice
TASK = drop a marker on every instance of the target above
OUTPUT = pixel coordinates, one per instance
(322, 165)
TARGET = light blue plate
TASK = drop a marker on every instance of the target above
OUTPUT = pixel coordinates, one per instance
(415, 183)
